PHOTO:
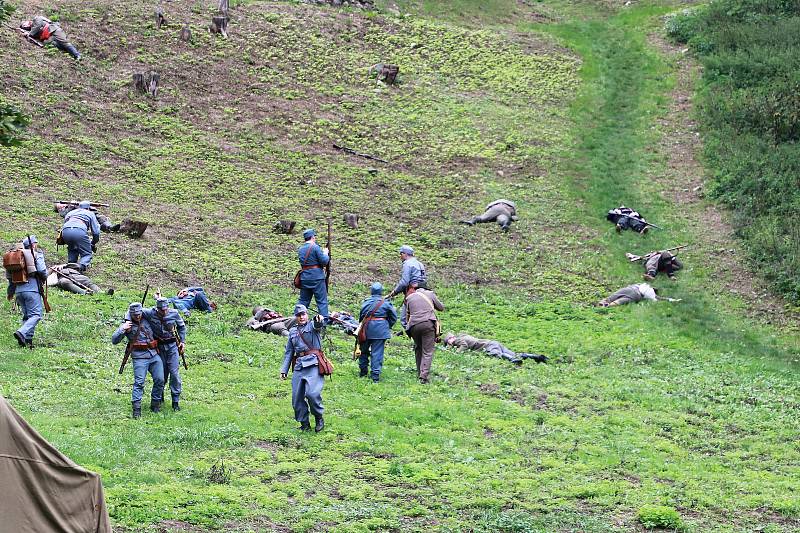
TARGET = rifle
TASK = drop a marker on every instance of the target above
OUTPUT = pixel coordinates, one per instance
(646, 223)
(181, 349)
(26, 34)
(328, 266)
(129, 347)
(71, 202)
(60, 272)
(633, 258)
(42, 292)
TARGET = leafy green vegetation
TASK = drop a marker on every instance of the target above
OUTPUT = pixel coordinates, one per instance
(751, 117)
(643, 412)
(12, 121)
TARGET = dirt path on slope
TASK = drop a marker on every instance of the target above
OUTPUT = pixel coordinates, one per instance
(682, 181)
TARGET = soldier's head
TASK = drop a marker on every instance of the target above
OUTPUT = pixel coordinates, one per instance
(162, 306)
(309, 234)
(258, 310)
(406, 251)
(449, 339)
(135, 311)
(376, 289)
(183, 293)
(84, 204)
(26, 25)
(29, 241)
(301, 314)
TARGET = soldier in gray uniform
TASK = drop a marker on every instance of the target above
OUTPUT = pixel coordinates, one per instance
(302, 347)
(661, 262)
(145, 358)
(270, 321)
(501, 211)
(69, 278)
(463, 342)
(78, 223)
(46, 32)
(413, 275)
(169, 330)
(632, 294)
(105, 223)
(27, 293)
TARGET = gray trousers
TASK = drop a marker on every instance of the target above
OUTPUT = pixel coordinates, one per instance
(500, 213)
(424, 335)
(171, 361)
(307, 393)
(624, 296)
(30, 303)
(495, 349)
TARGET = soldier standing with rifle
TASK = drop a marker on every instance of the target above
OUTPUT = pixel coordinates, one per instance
(25, 284)
(142, 347)
(312, 279)
(169, 330)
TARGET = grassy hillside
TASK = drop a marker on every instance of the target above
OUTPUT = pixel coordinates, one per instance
(642, 412)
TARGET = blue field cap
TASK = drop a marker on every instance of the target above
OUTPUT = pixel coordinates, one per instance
(376, 288)
(307, 234)
(406, 249)
(299, 309)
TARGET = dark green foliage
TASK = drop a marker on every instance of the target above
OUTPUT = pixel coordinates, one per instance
(12, 121)
(750, 110)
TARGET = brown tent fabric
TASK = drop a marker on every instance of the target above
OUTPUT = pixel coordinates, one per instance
(41, 490)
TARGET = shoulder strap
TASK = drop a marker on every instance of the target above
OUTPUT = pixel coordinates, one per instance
(430, 302)
(375, 309)
(308, 252)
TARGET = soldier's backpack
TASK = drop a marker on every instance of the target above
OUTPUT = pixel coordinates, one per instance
(14, 263)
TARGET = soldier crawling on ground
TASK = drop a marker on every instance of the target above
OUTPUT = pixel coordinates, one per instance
(632, 294)
(68, 277)
(501, 211)
(463, 342)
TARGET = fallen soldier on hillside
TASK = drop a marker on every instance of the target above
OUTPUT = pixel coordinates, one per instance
(43, 31)
(501, 211)
(270, 321)
(69, 278)
(625, 217)
(634, 293)
(190, 298)
(463, 342)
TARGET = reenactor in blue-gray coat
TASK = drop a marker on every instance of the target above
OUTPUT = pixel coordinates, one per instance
(28, 293)
(169, 330)
(302, 347)
(313, 259)
(413, 275)
(377, 317)
(137, 329)
(78, 224)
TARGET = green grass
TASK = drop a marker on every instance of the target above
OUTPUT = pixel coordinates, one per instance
(642, 410)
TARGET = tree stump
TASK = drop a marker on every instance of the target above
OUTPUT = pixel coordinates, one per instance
(133, 228)
(223, 8)
(186, 33)
(160, 19)
(146, 83)
(351, 219)
(284, 226)
(386, 73)
(219, 24)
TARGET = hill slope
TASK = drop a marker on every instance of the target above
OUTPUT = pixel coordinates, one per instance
(689, 406)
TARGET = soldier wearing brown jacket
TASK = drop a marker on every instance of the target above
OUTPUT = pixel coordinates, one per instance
(422, 325)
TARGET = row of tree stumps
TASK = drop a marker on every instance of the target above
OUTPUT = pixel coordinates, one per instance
(147, 82)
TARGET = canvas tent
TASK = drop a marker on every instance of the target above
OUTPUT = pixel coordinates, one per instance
(41, 490)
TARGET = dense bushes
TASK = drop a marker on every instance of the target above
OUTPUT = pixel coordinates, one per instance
(11, 120)
(750, 112)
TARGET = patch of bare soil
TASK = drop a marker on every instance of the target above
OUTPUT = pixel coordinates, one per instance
(682, 182)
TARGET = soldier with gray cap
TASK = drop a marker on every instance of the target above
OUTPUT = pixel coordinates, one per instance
(377, 317)
(501, 211)
(27, 290)
(413, 274)
(313, 260)
(139, 333)
(78, 223)
(302, 348)
(169, 330)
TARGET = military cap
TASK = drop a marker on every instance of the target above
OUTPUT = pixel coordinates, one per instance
(26, 242)
(299, 309)
(307, 234)
(162, 303)
(406, 249)
(135, 308)
(376, 288)
(85, 204)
